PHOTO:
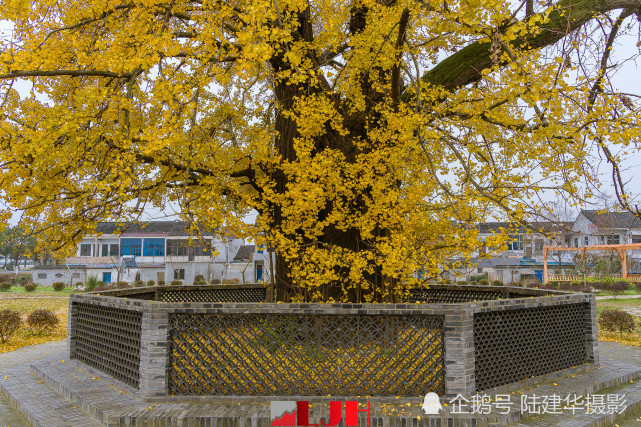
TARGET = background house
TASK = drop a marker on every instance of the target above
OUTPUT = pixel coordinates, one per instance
(158, 251)
(593, 227)
(521, 258)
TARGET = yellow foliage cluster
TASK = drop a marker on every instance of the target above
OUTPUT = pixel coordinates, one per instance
(623, 338)
(349, 127)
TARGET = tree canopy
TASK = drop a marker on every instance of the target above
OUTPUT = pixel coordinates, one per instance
(15, 245)
(369, 135)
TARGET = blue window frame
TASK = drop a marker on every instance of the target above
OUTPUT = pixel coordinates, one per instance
(130, 247)
(154, 247)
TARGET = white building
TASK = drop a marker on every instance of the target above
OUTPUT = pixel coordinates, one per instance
(593, 227)
(158, 251)
(523, 257)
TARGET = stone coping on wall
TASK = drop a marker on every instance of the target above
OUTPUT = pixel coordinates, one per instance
(170, 288)
(511, 289)
(527, 298)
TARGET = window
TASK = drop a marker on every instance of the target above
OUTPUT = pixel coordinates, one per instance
(75, 275)
(59, 275)
(177, 247)
(42, 275)
(130, 247)
(538, 245)
(613, 239)
(602, 239)
(186, 248)
(515, 244)
(576, 242)
(585, 241)
(110, 249)
(636, 239)
(154, 247)
(179, 274)
(200, 250)
(85, 249)
(261, 248)
(480, 270)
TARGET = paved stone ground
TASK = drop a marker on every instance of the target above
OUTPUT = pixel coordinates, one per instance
(31, 354)
(9, 417)
(105, 400)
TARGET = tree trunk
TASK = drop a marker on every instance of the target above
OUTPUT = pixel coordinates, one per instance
(357, 124)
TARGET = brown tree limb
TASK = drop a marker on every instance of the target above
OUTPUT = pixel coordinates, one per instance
(595, 91)
(395, 79)
(466, 65)
(57, 73)
(597, 88)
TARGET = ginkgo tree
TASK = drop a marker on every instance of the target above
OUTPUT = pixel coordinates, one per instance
(368, 135)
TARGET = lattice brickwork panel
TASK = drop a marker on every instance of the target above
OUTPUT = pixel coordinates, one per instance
(214, 295)
(440, 296)
(512, 345)
(149, 296)
(306, 355)
(108, 339)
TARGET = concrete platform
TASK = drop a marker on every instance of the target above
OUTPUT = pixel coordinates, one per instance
(52, 393)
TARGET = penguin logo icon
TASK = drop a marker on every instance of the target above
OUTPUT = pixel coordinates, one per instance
(431, 404)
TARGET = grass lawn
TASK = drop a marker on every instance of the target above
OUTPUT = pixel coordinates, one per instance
(625, 338)
(41, 291)
(25, 303)
(619, 302)
(632, 291)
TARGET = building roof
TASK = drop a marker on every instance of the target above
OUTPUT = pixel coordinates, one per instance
(245, 253)
(484, 262)
(506, 262)
(602, 219)
(546, 226)
(167, 228)
(494, 227)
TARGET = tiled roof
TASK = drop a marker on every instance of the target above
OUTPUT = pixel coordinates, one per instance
(245, 253)
(603, 219)
(506, 262)
(169, 228)
(484, 262)
(546, 226)
(492, 227)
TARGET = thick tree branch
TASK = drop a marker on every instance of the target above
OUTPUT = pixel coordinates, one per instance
(395, 80)
(56, 73)
(595, 91)
(597, 88)
(465, 66)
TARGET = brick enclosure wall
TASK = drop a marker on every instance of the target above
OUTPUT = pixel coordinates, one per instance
(190, 348)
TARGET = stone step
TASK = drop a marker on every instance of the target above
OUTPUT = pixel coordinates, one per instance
(110, 403)
(92, 391)
(40, 404)
(631, 391)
